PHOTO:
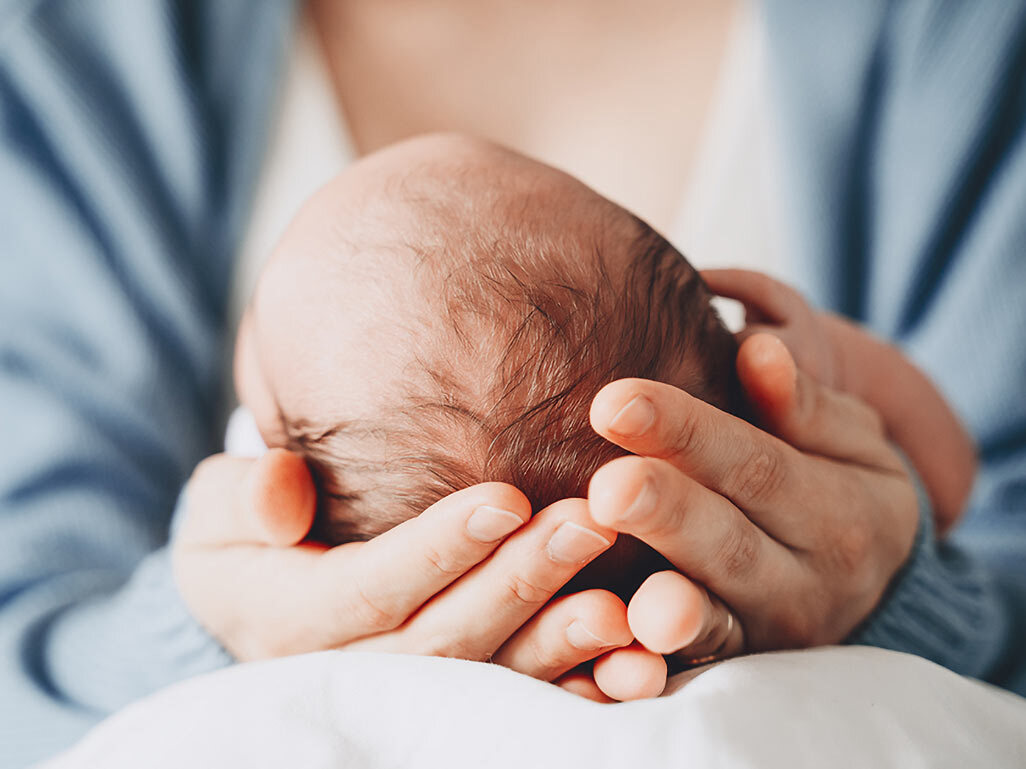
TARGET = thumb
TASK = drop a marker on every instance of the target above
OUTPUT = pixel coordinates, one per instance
(810, 416)
(770, 379)
(265, 501)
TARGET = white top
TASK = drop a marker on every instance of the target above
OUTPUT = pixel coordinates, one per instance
(309, 145)
(729, 215)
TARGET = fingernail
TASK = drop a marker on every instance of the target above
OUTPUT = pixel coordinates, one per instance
(580, 637)
(643, 504)
(572, 543)
(634, 418)
(488, 524)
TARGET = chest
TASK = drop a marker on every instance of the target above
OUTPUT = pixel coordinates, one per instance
(616, 93)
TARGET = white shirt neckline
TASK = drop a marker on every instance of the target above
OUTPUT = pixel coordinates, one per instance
(730, 212)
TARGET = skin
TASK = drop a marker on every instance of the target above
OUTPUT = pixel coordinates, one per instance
(717, 526)
(238, 569)
(798, 540)
(616, 94)
(230, 529)
(843, 356)
(658, 81)
(353, 304)
(353, 308)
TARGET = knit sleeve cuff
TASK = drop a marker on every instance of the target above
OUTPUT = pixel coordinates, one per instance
(941, 605)
(188, 648)
(139, 639)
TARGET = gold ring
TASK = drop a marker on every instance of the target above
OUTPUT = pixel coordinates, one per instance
(716, 655)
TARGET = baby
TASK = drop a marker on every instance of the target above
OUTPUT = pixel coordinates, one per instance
(442, 314)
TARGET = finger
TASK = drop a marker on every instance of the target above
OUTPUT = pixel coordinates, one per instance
(786, 335)
(267, 501)
(319, 599)
(566, 633)
(806, 414)
(283, 496)
(695, 529)
(756, 471)
(751, 329)
(508, 588)
(394, 574)
(670, 614)
(582, 683)
(772, 301)
(631, 673)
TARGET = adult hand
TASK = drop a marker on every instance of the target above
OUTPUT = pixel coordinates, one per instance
(779, 543)
(843, 356)
(466, 578)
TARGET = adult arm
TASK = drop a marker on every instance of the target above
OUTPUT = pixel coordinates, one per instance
(905, 152)
(128, 146)
(844, 357)
(802, 544)
(122, 162)
(943, 278)
(466, 578)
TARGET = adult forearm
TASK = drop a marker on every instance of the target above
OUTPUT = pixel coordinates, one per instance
(946, 606)
(915, 414)
(77, 646)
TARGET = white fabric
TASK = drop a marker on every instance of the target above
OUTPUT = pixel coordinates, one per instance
(829, 707)
(732, 213)
(309, 145)
(832, 707)
(729, 215)
(242, 436)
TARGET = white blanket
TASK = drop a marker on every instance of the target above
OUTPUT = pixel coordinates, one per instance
(833, 707)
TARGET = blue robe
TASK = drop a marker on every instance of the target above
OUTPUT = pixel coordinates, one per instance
(131, 136)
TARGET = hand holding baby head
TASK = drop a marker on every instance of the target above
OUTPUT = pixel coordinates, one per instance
(442, 316)
(844, 357)
(465, 579)
(264, 598)
(797, 541)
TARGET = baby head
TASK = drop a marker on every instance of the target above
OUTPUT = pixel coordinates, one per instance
(443, 313)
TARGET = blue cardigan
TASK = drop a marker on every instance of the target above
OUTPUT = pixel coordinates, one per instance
(132, 133)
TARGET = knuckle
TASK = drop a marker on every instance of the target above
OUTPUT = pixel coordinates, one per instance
(872, 418)
(443, 562)
(669, 517)
(760, 478)
(447, 645)
(686, 436)
(369, 613)
(546, 658)
(522, 591)
(851, 549)
(794, 627)
(738, 553)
